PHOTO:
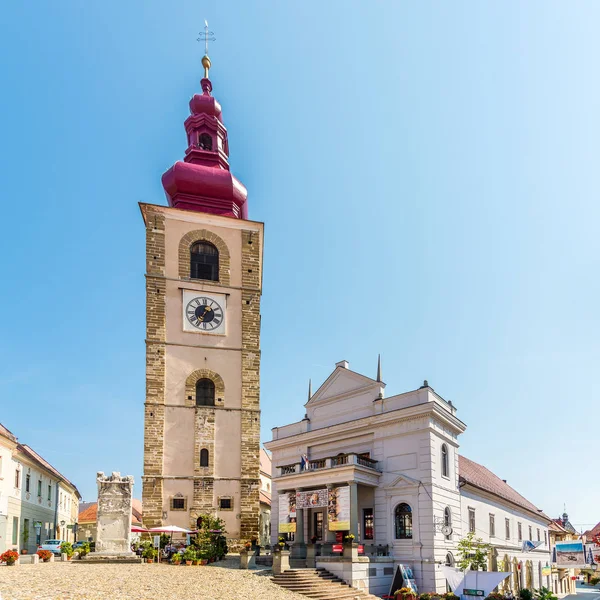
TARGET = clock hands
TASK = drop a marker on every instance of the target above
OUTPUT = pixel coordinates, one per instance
(206, 310)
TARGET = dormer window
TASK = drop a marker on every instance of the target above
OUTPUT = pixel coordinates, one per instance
(205, 141)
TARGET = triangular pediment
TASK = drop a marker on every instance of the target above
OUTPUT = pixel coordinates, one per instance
(402, 481)
(344, 382)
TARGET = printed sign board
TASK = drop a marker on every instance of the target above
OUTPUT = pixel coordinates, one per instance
(287, 513)
(338, 509)
(467, 592)
(570, 554)
(312, 499)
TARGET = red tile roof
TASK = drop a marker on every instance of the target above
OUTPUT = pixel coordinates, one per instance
(591, 533)
(265, 497)
(556, 525)
(90, 513)
(478, 476)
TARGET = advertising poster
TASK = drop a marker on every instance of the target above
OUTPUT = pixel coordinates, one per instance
(312, 499)
(546, 571)
(338, 509)
(287, 513)
(570, 554)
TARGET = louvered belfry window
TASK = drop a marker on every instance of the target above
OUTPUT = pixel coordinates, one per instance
(205, 392)
(204, 261)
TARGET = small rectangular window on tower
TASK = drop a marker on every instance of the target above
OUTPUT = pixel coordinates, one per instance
(179, 503)
(226, 503)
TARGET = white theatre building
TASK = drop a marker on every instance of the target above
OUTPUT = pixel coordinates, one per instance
(388, 470)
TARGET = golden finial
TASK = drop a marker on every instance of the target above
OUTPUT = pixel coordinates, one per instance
(206, 36)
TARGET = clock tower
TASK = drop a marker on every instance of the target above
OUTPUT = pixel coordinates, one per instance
(203, 291)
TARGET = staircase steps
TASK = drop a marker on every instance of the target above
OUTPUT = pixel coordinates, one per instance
(319, 584)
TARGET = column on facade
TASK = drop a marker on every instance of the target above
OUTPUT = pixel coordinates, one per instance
(299, 538)
(353, 508)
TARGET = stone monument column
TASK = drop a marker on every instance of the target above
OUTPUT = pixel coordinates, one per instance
(113, 538)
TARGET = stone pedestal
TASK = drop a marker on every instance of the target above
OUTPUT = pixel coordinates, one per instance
(310, 555)
(113, 538)
(350, 550)
(281, 562)
(247, 559)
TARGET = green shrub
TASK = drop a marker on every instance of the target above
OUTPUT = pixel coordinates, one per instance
(526, 594)
(67, 548)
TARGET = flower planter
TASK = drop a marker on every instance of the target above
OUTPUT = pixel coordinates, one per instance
(195, 563)
(23, 551)
(188, 563)
(149, 561)
(204, 561)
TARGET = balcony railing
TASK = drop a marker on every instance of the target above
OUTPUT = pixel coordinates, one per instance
(341, 460)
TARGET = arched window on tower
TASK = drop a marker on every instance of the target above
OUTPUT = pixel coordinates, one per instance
(445, 469)
(204, 261)
(205, 141)
(205, 392)
(403, 522)
(204, 457)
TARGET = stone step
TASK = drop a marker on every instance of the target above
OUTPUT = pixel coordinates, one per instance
(319, 584)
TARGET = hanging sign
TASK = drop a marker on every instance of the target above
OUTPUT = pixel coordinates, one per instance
(312, 499)
(338, 509)
(570, 554)
(467, 592)
(287, 513)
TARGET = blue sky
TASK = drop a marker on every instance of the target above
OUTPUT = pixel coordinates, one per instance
(428, 177)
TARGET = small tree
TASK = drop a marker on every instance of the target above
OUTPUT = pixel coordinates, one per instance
(473, 553)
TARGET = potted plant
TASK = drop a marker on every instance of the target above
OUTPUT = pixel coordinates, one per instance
(9, 557)
(83, 550)
(203, 556)
(176, 559)
(25, 538)
(149, 554)
(67, 548)
(44, 555)
(189, 555)
(348, 539)
(405, 593)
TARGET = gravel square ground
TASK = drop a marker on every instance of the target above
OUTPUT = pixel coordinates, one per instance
(79, 581)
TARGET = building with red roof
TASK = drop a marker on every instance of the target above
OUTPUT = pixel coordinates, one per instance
(388, 471)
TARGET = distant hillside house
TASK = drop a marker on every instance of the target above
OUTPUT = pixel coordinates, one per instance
(388, 471)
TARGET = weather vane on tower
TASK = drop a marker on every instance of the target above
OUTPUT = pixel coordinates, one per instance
(206, 36)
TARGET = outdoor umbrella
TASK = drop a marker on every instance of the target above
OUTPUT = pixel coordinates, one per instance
(138, 529)
(169, 529)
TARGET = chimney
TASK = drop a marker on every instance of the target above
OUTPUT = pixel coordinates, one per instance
(344, 364)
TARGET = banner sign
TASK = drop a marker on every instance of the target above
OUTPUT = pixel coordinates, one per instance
(287, 513)
(312, 499)
(546, 571)
(570, 554)
(467, 592)
(338, 509)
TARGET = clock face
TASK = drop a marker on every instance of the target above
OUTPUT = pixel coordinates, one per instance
(204, 313)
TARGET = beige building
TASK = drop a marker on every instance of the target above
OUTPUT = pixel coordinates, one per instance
(37, 502)
(203, 291)
(265, 498)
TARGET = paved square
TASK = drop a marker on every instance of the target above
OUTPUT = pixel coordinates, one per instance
(79, 581)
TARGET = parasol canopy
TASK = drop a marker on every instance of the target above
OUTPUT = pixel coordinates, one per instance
(137, 529)
(169, 529)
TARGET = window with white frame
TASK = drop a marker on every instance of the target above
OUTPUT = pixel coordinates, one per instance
(507, 528)
(492, 525)
(519, 532)
(472, 520)
(445, 468)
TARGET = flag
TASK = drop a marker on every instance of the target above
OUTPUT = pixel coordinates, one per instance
(528, 545)
(303, 462)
